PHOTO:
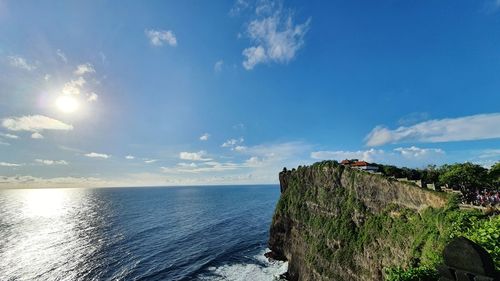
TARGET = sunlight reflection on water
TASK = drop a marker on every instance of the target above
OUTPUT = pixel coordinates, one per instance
(44, 202)
(50, 238)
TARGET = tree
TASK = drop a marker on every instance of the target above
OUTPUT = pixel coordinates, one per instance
(390, 170)
(494, 175)
(430, 174)
(412, 174)
(466, 176)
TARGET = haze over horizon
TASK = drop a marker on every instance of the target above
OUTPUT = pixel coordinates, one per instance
(101, 93)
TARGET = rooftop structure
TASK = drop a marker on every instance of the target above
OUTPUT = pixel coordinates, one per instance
(360, 165)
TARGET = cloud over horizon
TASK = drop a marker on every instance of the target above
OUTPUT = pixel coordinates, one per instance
(474, 127)
(7, 164)
(10, 136)
(98, 155)
(34, 123)
(414, 156)
(51, 162)
(194, 156)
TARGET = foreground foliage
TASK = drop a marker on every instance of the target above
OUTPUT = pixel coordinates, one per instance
(412, 274)
(485, 232)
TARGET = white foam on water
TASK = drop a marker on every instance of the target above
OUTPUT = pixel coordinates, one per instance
(249, 271)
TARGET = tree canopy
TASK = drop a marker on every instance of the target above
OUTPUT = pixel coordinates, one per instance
(465, 176)
(494, 175)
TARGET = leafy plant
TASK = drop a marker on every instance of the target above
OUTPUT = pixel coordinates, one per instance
(412, 274)
(485, 232)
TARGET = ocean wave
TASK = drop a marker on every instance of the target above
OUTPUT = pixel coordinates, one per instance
(259, 269)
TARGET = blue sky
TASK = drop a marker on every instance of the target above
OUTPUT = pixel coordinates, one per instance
(107, 93)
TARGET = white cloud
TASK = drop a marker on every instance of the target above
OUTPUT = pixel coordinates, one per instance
(266, 160)
(254, 56)
(149, 161)
(129, 157)
(4, 143)
(485, 163)
(73, 87)
(205, 137)
(416, 152)
(51, 162)
(194, 156)
(253, 161)
(34, 123)
(46, 77)
(370, 155)
(204, 167)
(92, 97)
(20, 62)
(490, 153)
(98, 155)
(84, 68)
(37, 135)
(61, 55)
(278, 150)
(6, 164)
(240, 148)
(218, 65)
(403, 156)
(238, 7)
(275, 36)
(158, 37)
(232, 142)
(170, 179)
(187, 165)
(10, 136)
(27, 181)
(474, 127)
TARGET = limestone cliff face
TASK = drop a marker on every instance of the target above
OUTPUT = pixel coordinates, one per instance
(336, 223)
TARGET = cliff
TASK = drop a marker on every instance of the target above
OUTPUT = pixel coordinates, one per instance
(336, 223)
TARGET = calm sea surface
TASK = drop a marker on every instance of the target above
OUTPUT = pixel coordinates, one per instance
(182, 233)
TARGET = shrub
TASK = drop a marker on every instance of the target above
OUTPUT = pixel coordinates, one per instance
(412, 274)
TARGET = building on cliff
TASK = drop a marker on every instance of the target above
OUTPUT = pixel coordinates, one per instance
(360, 165)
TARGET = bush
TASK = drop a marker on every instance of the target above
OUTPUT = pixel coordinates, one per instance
(412, 274)
(485, 233)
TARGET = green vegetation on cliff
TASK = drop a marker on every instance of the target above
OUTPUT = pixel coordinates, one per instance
(343, 227)
(464, 176)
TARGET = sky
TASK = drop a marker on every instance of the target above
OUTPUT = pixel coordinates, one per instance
(134, 93)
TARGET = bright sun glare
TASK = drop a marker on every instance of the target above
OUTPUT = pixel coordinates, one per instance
(67, 104)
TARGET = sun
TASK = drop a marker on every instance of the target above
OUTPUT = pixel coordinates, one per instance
(67, 104)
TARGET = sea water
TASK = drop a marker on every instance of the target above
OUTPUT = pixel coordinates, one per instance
(169, 233)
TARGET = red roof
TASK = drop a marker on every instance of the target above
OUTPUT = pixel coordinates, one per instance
(360, 163)
(345, 162)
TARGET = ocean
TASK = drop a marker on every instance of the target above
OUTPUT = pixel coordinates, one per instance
(147, 233)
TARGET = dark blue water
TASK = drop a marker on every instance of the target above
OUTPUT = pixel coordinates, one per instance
(184, 233)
